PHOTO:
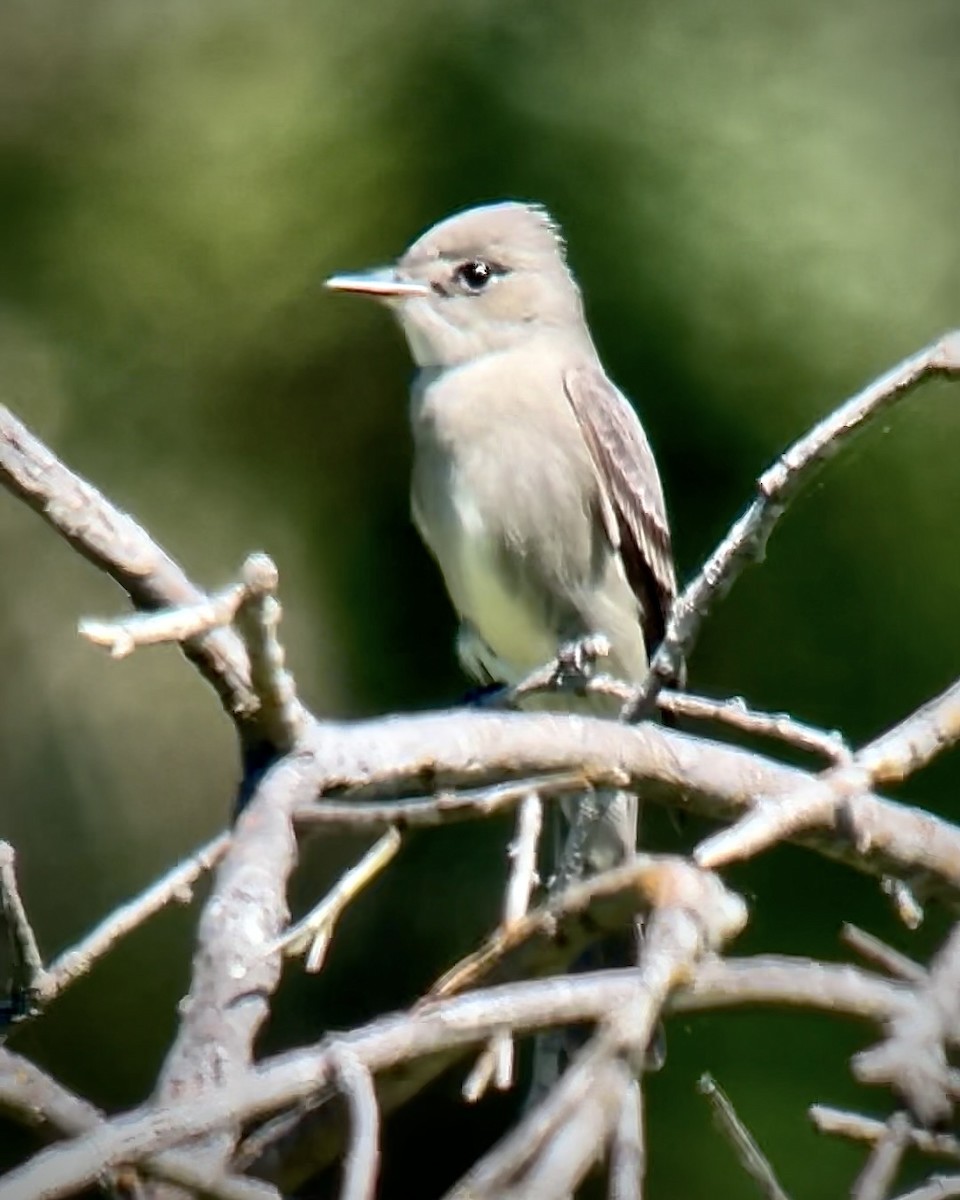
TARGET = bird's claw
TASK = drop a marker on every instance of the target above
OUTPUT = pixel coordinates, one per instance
(577, 660)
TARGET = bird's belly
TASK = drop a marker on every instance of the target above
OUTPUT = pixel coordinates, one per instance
(505, 619)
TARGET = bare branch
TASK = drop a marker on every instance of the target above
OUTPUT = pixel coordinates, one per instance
(780, 484)
(252, 605)
(734, 713)
(439, 1033)
(117, 545)
(258, 618)
(913, 1059)
(523, 856)
(472, 749)
(869, 1129)
(234, 970)
(34, 1098)
(75, 962)
(563, 1134)
(363, 1157)
(825, 804)
(915, 741)
(627, 1150)
(937, 1187)
(515, 1150)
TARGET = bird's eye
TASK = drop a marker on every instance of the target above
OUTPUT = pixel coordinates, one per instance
(473, 275)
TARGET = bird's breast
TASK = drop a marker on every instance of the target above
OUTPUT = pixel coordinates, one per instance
(489, 596)
(500, 488)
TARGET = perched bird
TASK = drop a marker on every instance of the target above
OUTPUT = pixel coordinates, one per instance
(534, 485)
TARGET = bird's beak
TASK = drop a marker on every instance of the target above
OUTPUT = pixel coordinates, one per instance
(382, 284)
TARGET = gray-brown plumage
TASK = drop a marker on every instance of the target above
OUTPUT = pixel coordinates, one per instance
(534, 485)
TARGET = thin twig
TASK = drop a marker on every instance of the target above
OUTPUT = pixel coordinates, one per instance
(442, 808)
(937, 1187)
(880, 1170)
(523, 856)
(123, 635)
(174, 886)
(313, 933)
(828, 744)
(868, 1129)
(251, 605)
(568, 922)
(890, 757)
(776, 488)
(905, 903)
(744, 1145)
(883, 955)
(257, 621)
(117, 545)
(914, 741)
(496, 1062)
(28, 973)
(733, 712)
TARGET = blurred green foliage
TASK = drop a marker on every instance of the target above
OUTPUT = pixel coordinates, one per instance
(761, 202)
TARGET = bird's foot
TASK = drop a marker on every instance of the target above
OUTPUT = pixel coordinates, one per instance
(577, 661)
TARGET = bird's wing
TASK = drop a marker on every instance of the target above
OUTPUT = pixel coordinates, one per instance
(636, 513)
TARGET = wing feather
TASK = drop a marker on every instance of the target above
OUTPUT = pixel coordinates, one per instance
(632, 492)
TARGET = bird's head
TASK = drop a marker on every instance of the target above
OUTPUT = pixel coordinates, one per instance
(478, 282)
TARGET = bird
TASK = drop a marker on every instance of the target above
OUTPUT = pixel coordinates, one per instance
(534, 485)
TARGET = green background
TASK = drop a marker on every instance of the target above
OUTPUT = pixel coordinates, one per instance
(761, 202)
